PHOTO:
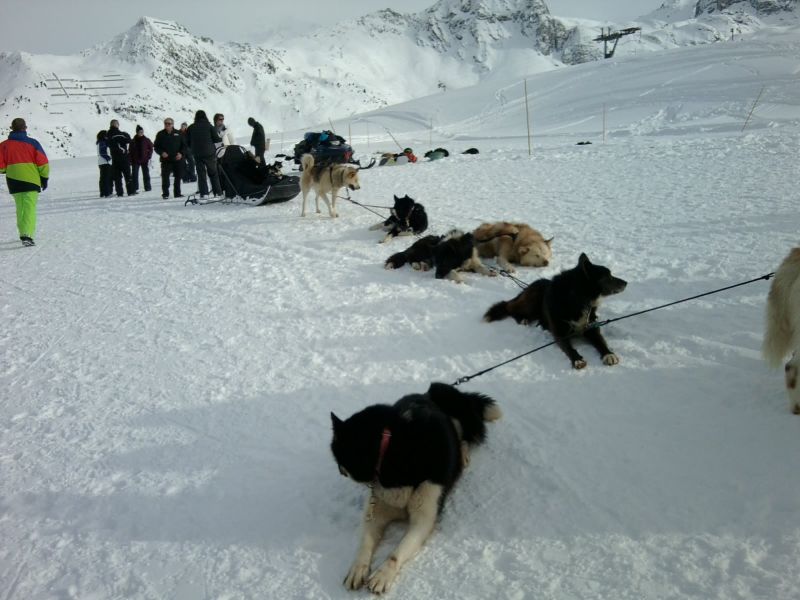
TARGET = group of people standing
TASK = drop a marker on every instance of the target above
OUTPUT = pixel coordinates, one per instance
(120, 158)
(187, 154)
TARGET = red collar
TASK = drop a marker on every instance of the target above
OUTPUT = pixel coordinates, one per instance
(387, 435)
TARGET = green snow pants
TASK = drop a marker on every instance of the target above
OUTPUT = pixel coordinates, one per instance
(26, 212)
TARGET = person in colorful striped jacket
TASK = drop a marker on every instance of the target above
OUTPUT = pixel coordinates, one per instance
(25, 165)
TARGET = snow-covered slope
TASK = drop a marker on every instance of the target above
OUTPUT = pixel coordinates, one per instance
(168, 371)
(159, 68)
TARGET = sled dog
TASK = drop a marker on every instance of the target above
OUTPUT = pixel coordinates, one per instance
(566, 306)
(513, 243)
(447, 254)
(408, 217)
(326, 180)
(782, 331)
(410, 455)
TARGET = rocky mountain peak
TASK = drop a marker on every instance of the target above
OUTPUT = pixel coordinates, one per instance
(761, 7)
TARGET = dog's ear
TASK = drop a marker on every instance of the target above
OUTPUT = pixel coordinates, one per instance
(336, 422)
(583, 261)
(524, 250)
(549, 242)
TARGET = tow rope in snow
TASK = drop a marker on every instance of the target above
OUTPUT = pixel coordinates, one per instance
(368, 207)
(466, 378)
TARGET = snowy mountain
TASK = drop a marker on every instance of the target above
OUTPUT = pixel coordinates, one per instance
(159, 68)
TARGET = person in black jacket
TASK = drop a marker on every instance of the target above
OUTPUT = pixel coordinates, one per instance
(119, 147)
(258, 141)
(171, 148)
(189, 174)
(202, 139)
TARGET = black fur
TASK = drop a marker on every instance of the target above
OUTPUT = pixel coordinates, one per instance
(425, 445)
(565, 306)
(407, 216)
(445, 253)
(420, 251)
(452, 252)
(470, 151)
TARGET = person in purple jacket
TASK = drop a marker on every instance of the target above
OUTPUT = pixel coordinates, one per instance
(141, 152)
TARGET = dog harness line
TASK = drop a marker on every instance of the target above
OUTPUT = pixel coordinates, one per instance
(385, 438)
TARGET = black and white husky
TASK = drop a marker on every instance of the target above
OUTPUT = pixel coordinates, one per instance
(410, 454)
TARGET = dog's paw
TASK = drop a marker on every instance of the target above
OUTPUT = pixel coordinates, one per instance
(579, 363)
(796, 409)
(506, 267)
(464, 454)
(381, 580)
(611, 359)
(389, 266)
(357, 576)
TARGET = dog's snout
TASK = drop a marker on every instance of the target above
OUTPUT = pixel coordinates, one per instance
(545, 263)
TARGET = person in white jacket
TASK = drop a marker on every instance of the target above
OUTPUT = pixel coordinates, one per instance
(224, 132)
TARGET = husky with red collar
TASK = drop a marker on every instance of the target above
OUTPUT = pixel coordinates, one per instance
(410, 454)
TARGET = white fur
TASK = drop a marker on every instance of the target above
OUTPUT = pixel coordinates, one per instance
(331, 179)
(782, 331)
(420, 506)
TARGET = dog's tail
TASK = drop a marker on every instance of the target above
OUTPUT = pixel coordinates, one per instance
(470, 410)
(395, 261)
(307, 162)
(497, 312)
(779, 334)
(526, 307)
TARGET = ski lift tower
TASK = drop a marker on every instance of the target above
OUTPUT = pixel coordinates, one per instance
(613, 36)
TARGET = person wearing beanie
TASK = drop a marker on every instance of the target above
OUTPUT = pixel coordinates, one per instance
(202, 138)
(141, 152)
(27, 171)
(258, 140)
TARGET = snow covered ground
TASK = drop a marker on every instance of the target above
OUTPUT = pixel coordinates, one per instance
(168, 371)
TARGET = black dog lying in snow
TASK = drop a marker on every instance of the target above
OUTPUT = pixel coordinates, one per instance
(408, 218)
(566, 306)
(409, 455)
(449, 254)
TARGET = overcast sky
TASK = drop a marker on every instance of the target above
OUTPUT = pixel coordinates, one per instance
(68, 26)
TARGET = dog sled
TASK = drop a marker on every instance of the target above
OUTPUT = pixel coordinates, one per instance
(327, 148)
(245, 181)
